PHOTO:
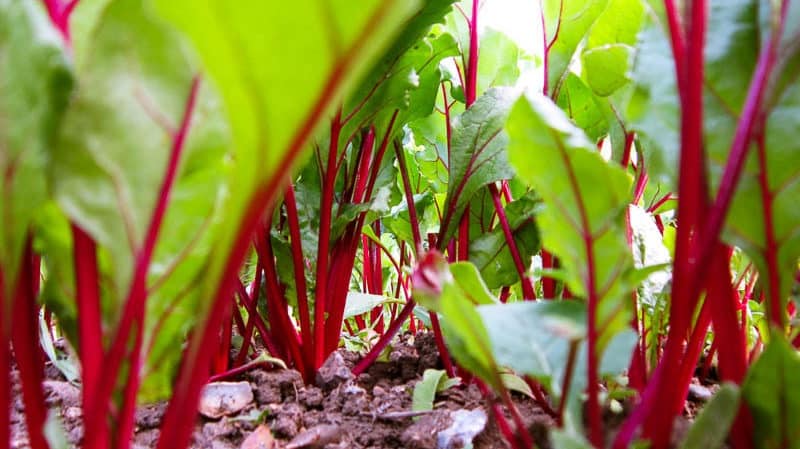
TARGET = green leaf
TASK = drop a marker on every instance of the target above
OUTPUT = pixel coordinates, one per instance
(406, 82)
(109, 162)
(582, 224)
(610, 44)
(580, 104)
(259, 55)
(516, 383)
(469, 280)
(478, 155)
(425, 389)
(710, 429)
(533, 338)
(748, 217)
(490, 253)
(466, 337)
(772, 392)
(360, 303)
(653, 110)
(568, 439)
(566, 25)
(498, 60)
(36, 83)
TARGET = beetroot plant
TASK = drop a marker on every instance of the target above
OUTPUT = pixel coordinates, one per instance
(596, 217)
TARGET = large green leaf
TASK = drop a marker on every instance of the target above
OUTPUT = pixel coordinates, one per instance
(653, 111)
(478, 154)
(763, 220)
(772, 391)
(281, 67)
(582, 220)
(35, 82)
(610, 44)
(566, 25)
(107, 168)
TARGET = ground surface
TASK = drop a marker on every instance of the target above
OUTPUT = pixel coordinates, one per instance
(368, 412)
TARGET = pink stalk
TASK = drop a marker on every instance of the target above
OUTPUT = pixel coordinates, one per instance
(733, 353)
(444, 354)
(344, 253)
(59, 13)
(513, 438)
(692, 192)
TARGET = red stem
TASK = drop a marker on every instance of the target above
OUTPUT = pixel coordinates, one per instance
(439, 339)
(412, 209)
(502, 423)
(255, 318)
(345, 253)
(90, 334)
(276, 304)
(323, 250)
(299, 273)
(562, 404)
(527, 286)
(5, 365)
(387, 336)
(775, 303)
(472, 67)
(25, 340)
(691, 207)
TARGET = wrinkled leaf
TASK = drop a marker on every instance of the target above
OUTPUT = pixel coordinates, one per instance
(478, 155)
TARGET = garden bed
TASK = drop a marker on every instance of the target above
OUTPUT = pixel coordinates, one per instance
(372, 411)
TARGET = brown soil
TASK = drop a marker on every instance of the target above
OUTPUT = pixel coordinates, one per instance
(368, 412)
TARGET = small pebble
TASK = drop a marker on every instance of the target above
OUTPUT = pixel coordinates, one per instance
(466, 425)
(261, 438)
(699, 392)
(316, 437)
(219, 399)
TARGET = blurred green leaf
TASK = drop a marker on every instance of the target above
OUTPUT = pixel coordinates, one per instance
(35, 83)
(772, 392)
(711, 427)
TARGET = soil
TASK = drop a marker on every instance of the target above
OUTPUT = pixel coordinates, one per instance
(369, 412)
